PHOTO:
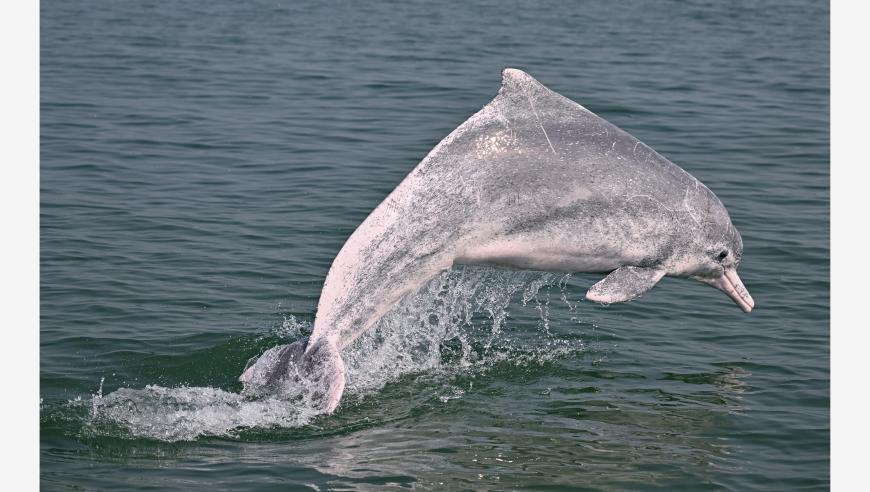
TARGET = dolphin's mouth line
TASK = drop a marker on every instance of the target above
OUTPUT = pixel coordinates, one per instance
(731, 284)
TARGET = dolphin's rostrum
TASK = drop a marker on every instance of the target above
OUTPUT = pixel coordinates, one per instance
(531, 181)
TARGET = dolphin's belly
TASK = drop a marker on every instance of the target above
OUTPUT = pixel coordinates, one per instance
(550, 257)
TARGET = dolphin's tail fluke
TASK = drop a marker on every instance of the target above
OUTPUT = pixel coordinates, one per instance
(313, 371)
(323, 364)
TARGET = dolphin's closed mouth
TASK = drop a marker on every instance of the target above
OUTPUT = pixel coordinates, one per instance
(731, 284)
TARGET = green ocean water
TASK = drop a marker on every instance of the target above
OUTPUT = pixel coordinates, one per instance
(203, 163)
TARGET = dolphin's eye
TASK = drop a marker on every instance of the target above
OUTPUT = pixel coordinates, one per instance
(722, 255)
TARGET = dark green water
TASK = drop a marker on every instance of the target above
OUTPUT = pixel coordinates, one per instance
(203, 162)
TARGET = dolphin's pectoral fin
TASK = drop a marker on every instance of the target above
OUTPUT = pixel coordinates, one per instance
(624, 284)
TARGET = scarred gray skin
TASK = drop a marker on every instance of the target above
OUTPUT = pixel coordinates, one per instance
(532, 181)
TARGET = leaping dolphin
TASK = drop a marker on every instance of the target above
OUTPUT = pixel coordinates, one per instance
(531, 181)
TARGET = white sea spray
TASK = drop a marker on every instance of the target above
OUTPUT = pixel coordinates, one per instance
(469, 307)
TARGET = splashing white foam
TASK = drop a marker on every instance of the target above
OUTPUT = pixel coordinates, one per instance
(186, 413)
(409, 338)
(465, 306)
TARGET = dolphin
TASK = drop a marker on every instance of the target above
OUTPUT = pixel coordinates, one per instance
(531, 181)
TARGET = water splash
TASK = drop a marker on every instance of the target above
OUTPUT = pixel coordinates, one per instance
(456, 325)
(186, 413)
(467, 307)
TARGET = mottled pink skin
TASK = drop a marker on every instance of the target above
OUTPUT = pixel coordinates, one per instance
(731, 284)
(531, 181)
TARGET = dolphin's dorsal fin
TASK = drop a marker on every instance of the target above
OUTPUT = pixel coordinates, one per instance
(516, 83)
(624, 284)
(513, 79)
(524, 92)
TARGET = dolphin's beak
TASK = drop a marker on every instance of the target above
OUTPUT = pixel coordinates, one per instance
(730, 284)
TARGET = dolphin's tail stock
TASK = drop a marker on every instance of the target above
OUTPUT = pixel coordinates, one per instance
(312, 371)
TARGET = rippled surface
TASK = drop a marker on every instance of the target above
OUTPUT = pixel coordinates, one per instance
(202, 164)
